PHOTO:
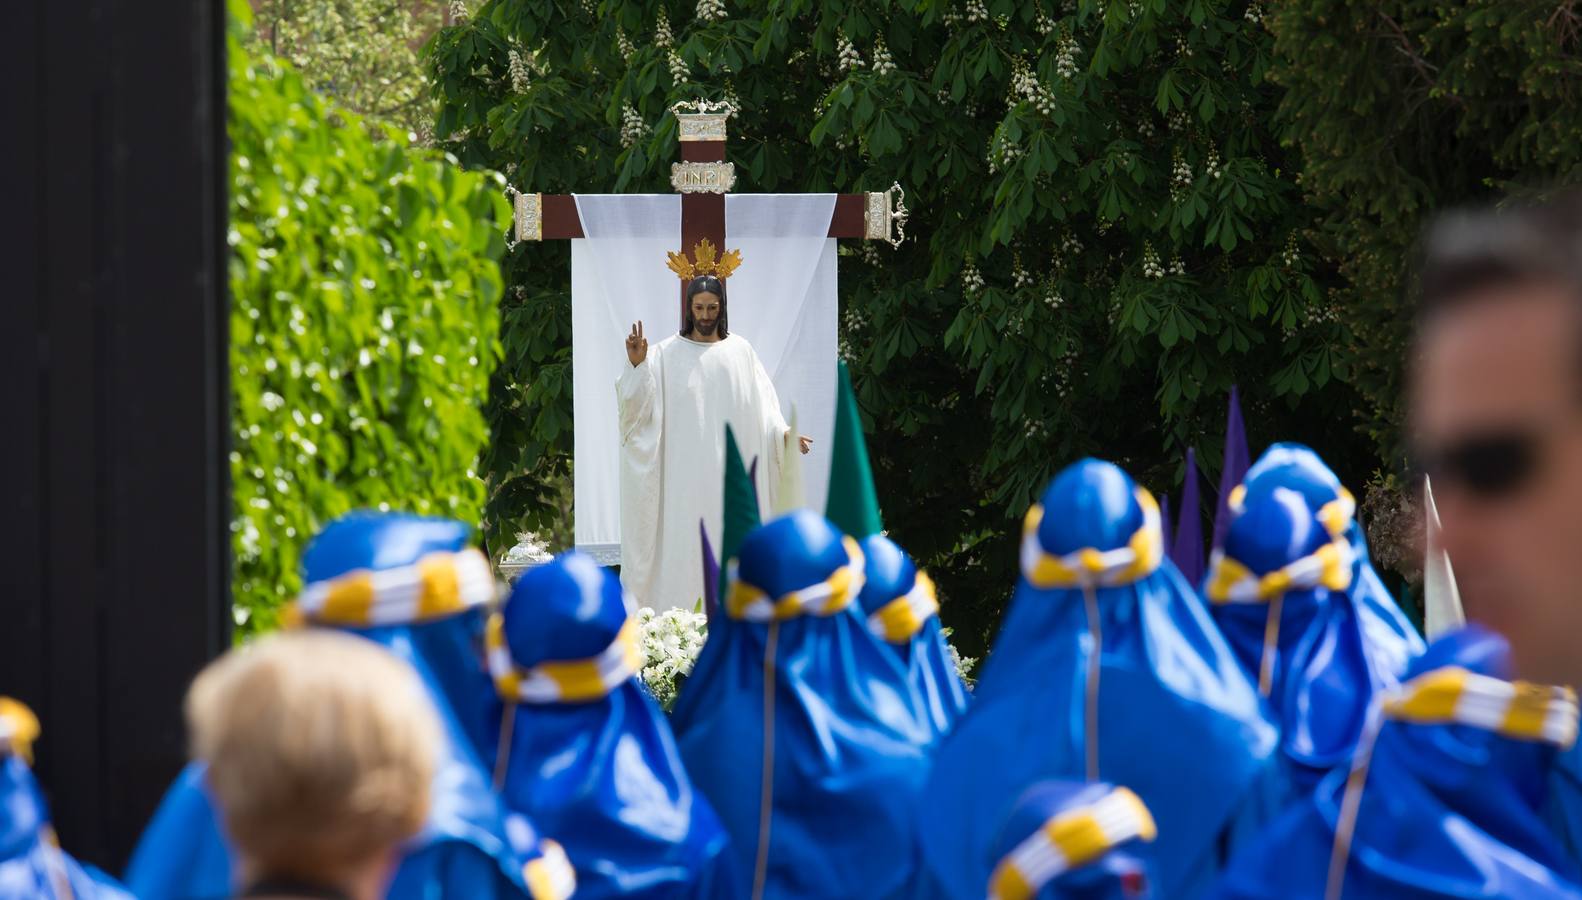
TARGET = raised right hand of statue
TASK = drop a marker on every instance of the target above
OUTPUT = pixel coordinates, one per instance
(636, 345)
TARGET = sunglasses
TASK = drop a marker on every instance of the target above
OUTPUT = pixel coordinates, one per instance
(1491, 466)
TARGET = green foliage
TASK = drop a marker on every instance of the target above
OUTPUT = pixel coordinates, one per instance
(1106, 232)
(364, 284)
(1401, 108)
(361, 55)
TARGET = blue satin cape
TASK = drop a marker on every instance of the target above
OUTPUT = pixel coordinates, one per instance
(891, 573)
(462, 850)
(32, 866)
(1324, 675)
(1446, 811)
(849, 736)
(1179, 723)
(603, 776)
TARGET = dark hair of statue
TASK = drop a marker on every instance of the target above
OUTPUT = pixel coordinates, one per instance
(705, 284)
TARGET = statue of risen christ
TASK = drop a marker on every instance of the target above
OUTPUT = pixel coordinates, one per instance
(675, 402)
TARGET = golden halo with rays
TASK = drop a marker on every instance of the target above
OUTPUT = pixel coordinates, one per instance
(706, 260)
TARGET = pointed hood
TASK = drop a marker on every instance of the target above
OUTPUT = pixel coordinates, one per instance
(741, 504)
(1237, 459)
(589, 757)
(32, 863)
(416, 585)
(1187, 551)
(800, 727)
(711, 572)
(902, 610)
(853, 503)
(1277, 591)
(1393, 640)
(1104, 649)
(1459, 764)
(1442, 610)
(1295, 596)
(1072, 839)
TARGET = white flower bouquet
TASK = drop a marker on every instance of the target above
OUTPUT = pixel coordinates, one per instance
(671, 641)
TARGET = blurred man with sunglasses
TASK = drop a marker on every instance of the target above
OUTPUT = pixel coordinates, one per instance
(1497, 422)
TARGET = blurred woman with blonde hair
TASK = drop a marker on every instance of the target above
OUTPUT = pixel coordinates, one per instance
(320, 749)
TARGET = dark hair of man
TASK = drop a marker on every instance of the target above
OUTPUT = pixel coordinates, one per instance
(705, 284)
(1469, 254)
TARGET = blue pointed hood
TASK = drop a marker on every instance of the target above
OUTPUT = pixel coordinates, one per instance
(412, 585)
(793, 684)
(1072, 840)
(1444, 793)
(902, 610)
(1391, 637)
(1278, 591)
(590, 756)
(414, 581)
(1102, 631)
(32, 864)
(25, 814)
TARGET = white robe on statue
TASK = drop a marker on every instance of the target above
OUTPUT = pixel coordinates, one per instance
(673, 410)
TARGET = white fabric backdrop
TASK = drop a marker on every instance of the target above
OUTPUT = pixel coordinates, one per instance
(782, 300)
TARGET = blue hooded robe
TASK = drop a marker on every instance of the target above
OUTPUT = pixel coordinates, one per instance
(1391, 639)
(1073, 840)
(792, 682)
(411, 585)
(903, 612)
(590, 756)
(1446, 807)
(1278, 591)
(1177, 720)
(32, 864)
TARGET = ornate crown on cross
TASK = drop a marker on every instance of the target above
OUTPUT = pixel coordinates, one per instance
(705, 261)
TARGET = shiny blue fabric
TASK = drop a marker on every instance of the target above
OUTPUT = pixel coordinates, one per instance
(183, 851)
(604, 777)
(1447, 811)
(462, 850)
(32, 867)
(1391, 639)
(891, 573)
(1324, 676)
(1563, 810)
(849, 732)
(1124, 873)
(452, 646)
(1179, 723)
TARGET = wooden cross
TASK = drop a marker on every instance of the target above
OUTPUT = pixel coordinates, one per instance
(703, 177)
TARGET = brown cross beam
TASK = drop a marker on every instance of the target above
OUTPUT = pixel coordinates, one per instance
(703, 177)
